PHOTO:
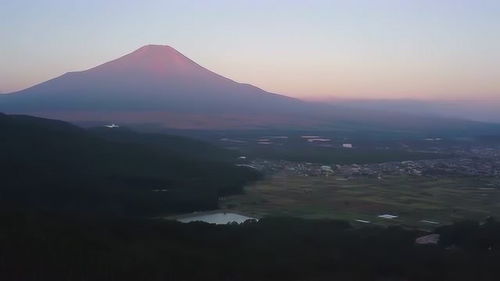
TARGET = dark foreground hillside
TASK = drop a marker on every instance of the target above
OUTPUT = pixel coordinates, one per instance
(52, 165)
(72, 203)
(42, 247)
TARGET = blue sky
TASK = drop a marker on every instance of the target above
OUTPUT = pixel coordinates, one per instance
(310, 49)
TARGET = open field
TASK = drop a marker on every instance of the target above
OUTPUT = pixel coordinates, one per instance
(417, 201)
(329, 155)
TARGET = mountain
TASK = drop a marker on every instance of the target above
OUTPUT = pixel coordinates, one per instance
(53, 165)
(151, 78)
(152, 83)
(158, 85)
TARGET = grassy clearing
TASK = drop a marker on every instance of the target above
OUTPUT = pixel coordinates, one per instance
(412, 199)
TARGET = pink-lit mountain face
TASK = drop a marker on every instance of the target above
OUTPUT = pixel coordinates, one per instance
(152, 78)
(157, 84)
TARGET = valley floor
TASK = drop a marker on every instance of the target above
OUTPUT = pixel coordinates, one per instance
(418, 201)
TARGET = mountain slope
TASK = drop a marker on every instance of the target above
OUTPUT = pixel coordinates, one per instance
(151, 78)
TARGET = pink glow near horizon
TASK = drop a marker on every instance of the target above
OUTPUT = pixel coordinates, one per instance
(435, 50)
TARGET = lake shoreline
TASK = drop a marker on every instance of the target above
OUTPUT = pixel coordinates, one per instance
(212, 214)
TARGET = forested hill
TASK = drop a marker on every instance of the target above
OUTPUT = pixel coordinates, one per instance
(182, 146)
(47, 248)
(53, 165)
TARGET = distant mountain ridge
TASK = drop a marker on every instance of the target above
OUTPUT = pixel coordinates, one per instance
(479, 110)
(156, 84)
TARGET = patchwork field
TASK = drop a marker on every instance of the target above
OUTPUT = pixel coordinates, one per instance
(422, 202)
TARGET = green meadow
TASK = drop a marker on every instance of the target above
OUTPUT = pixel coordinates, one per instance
(416, 201)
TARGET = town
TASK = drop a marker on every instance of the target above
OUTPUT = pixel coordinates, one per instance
(474, 162)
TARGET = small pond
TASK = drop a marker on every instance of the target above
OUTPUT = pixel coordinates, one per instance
(217, 218)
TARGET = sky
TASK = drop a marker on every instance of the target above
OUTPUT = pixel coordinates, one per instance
(439, 49)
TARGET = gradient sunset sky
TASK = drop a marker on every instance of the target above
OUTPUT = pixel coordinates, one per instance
(440, 49)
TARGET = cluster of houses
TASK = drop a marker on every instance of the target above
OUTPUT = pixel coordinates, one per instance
(481, 163)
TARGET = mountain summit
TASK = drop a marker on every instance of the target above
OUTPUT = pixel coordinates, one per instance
(153, 60)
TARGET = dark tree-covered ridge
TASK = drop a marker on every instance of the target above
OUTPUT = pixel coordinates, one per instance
(38, 246)
(54, 165)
